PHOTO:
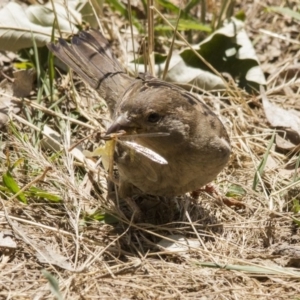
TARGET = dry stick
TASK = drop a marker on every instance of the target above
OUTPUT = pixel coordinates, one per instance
(131, 31)
(76, 98)
(131, 266)
(277, 74)
(56, 18)
(97, 256)
(279, 87)
(171, 49)
(150, 16)
(80, 141)
(224, 9)
(199, 238)
(285, 188)
(94, 3)
(203, 11)
(124, 266)
(71, 17)
(279, 36)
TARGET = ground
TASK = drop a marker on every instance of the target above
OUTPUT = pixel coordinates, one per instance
(236, 239)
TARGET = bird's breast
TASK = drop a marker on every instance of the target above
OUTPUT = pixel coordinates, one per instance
(186, 170)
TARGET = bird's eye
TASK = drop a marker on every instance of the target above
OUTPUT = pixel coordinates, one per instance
(153, 117)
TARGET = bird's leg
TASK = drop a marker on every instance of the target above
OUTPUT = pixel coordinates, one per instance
(137, 213)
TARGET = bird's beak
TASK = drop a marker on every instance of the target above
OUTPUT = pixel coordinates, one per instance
(121, 123)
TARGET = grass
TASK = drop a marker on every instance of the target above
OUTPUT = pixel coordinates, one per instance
(73, 243)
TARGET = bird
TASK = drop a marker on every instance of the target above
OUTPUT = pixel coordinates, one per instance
(159, 115)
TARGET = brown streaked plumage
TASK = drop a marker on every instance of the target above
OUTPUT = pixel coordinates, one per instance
(197, 145)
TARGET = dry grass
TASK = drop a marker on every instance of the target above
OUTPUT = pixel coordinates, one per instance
(248, 251)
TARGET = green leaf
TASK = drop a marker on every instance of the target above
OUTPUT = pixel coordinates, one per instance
(240, 15)
(191, 4)
(17, 163)
(15, 131)
(254, 269)
(120, 7)
(285, 11)
(101, 217)
(35, 192)
(54, 286)
(24, 65)
(184, 25)
(110, 219)
(261, 166)
(296, 221)
(296, 206)
(12, 185)
(168, 5)
(235, 191)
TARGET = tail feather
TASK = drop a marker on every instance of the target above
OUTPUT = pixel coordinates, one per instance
(90, 56)
(101, 45)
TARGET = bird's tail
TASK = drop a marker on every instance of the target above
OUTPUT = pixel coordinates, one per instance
(91, 57)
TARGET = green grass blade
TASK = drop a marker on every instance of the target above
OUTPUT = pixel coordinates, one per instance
(54, 286)
(261, 166)
(13, 186)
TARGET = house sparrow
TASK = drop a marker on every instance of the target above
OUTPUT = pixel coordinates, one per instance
(162, 117)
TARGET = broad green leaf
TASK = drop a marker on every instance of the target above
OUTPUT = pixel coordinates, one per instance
(13, 186)
(229, 50)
